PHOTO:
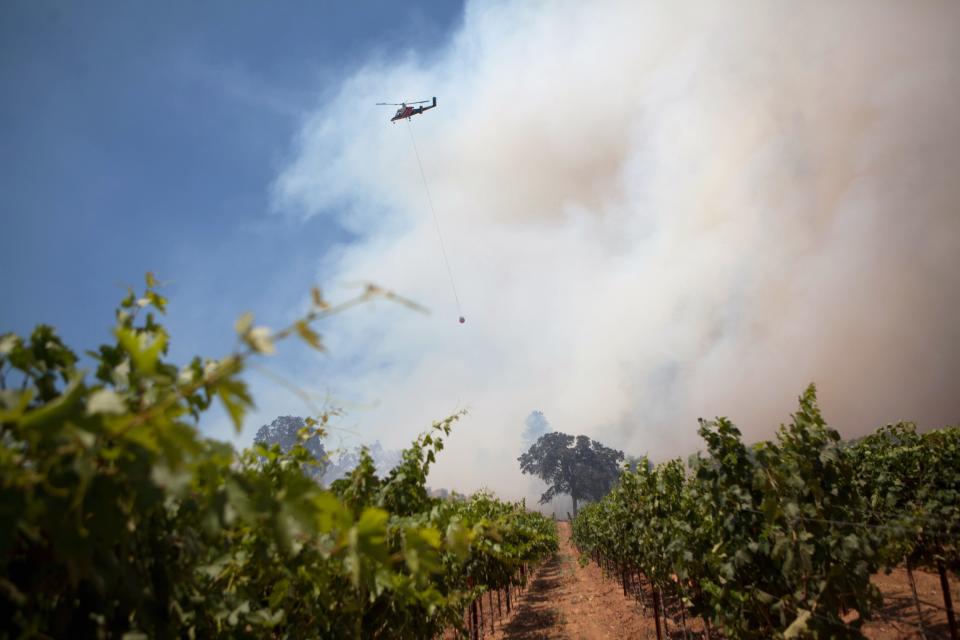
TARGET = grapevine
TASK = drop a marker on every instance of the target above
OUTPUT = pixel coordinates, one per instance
(120, 520)
(779, 539)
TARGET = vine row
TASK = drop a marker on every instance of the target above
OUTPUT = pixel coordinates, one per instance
(780, 539)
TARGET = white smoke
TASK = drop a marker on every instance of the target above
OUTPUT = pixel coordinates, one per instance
(654, 212)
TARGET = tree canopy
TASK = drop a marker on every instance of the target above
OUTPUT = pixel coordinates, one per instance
(535, 426)
(285, 432)
(577, 466)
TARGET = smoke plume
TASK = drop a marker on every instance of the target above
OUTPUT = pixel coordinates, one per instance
(654, 212)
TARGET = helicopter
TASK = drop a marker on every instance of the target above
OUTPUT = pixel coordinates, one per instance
(405, 110)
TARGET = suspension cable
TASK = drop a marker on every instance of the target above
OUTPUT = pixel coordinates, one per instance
(436, 223)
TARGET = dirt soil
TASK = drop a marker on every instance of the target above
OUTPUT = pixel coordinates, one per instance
(898, 618)
(565, 600)
(570, 602)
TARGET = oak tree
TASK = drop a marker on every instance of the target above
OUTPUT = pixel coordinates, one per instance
(577, 466)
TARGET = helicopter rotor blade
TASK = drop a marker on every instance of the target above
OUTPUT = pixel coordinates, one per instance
(401, 104)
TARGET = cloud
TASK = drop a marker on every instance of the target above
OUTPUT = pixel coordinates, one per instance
(653, 212)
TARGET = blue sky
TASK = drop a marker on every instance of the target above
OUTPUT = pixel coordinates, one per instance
(145, 136)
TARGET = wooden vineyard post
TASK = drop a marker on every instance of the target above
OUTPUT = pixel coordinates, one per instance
(916, 599)
(683, 614)
(480, 607)
(499, 607)
(663, 610)
(706, 620)
(643, 595)
(508, 598)
(947, 600)
(490, 599)
(473, 614)
(656, 614)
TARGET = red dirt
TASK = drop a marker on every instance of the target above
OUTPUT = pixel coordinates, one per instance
(567, 601)
(898, 618)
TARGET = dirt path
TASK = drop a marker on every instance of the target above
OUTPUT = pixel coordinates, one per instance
(568, 601)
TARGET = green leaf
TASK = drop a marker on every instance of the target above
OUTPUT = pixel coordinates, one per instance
(130, 300)
(236, 399)
(458, 540)
(144, 348)
(14, 403)
(279, 593)
(331, 514)
(158, 301)
(431, 536)
(371, 534)
(55, 413)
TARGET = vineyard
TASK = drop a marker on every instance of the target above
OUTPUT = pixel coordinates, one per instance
(780, 539)
(120, 520)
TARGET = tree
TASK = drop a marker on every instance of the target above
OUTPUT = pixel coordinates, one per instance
(579, 467)
(535, 426)
(383, 461)
(285, 431)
